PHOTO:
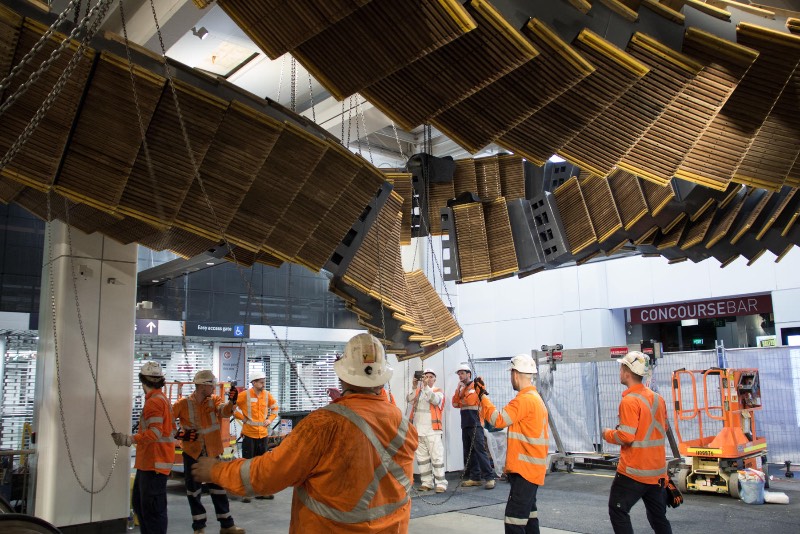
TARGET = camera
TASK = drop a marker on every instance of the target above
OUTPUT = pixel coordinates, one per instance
(418, 375)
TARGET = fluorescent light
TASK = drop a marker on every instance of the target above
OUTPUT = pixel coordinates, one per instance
(688, 322)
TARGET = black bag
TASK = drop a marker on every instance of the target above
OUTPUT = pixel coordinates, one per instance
(672, 494)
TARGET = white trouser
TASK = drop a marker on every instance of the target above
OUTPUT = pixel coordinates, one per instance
(430, 458)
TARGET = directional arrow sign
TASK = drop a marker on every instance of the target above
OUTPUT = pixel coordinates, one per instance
(147, 327)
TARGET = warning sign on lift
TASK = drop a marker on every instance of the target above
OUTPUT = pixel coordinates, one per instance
(557, 356)
(617, 352)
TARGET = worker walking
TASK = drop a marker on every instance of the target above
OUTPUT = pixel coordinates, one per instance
(426, 403)
(642, 467)
(257, 408)
(350, 462)
(155, 452)
(205, 412)
(526, 463)
(476, 460)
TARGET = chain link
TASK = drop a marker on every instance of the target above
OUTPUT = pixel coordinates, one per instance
(311, 97)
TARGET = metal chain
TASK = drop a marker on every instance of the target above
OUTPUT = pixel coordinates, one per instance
(33, 124)
(280, 78)
(51, 276)
(207, 198)
(293, 85)
(311, 97)
(341, 138)
(360, 112)
(39, 44)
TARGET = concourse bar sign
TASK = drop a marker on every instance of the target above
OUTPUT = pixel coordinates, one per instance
(702, 309)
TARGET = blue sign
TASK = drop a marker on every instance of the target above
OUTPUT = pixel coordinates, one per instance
(217, 330)
(238, 330)
(147, 327)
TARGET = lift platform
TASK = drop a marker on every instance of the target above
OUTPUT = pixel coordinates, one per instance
(730, 397)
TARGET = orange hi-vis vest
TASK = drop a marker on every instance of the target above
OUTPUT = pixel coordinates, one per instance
(436, 411)
(466, 400)
(641, 431)
(526, 417)
(155, 446)
(205, 418)
(258, 411)
(350, 463)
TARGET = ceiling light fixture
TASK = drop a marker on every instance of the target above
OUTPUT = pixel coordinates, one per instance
(200, 33)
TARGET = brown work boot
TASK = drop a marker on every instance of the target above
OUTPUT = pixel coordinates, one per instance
(489, 484)
(200, 531)
(246, 499)
(440, 489)
(468, 483)
(232, 530)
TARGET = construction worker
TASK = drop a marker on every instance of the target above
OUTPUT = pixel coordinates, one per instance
(350, 462)
(642, 467)
(155, 451)
(204, 412)
(426, 404)
(526, 463)
(476, 460)
(257, 408)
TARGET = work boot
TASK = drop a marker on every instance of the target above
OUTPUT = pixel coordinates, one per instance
(232, 530)
(424, 487)
(200, 531)
(440, 489)
(268, 497)
(246, 499)
(489, 484)
(468, 483)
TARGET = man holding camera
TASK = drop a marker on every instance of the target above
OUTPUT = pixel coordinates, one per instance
(476, 460)
(426, 403)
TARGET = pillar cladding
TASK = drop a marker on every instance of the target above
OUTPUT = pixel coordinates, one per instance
(105, 289)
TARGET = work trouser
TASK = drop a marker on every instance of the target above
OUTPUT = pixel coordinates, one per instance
(150, 501)
(430, 458)
(219, 498)
(625, 492)
(521, 514)
(478, 466)
(252, 447)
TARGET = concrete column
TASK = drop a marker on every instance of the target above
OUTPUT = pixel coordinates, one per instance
(105, 283)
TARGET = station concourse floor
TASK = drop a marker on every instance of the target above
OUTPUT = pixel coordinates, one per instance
(568, 502)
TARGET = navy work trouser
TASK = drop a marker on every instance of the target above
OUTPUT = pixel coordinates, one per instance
(625, 492)
(150, 501)
(478, 466)
(521, 514)
(219, 497)
(252, 447)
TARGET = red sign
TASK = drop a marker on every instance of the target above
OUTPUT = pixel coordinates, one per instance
(618, 351)
(557, 355)
(702, 309)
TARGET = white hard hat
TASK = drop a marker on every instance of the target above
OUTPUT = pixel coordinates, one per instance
(258, 375)
(523, 363)
(464, 367)
(151, 368)
(635, 361)
(426, 371)
(363, 363)
(205, 378)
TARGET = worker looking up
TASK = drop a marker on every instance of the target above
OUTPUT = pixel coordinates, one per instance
(203, 411)
(476, 460)
(426, 404)
(350, 462)
(526, 462)
(258, 409)
(155, 452)
(642, 467)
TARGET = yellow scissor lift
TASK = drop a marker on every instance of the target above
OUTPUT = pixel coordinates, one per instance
(730, 396)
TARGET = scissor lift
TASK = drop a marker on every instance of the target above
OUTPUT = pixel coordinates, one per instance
(731, 396)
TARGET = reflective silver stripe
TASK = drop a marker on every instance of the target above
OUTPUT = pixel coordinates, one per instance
(438, 465)
(516, 521)
(506, 417)
(534, 514)
(493, 417)
(194, 493)
(426, 462)
(149, 420)
(208, 430)
(526, 439)
(244, 472)
(427, 472)
(214, 491)
(476, 408)
(645, 472)
(223, 516)
(628, 429)
(249, 408)
(648, 443)
(617, 439)
(351, 517)
(198, 517)
(161, 465)
(156, 431)
(532, 460)
(166, 439)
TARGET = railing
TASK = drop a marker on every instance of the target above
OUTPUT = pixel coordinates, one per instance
(15, 478)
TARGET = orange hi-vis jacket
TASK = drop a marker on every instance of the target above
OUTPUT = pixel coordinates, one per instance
(388, 397)
(350, 463)
(436, 409)
(641, 431)
(155, 446)
(258, 411)
(526, 417)
(204, 417)
(466, 399)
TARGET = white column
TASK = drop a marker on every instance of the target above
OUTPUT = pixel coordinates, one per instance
(105, 289)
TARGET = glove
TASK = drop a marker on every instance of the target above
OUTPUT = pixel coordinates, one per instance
(186, 435)
(121, 440)
(233, 394)
(480, 388)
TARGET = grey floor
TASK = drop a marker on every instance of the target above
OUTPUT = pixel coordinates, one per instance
(568, 502)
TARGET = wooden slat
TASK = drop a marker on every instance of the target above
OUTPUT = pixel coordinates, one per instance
(628, 197)
(657, 196)
(512, 177)
(575, 215)
(603, 211)
(403, 186)
(465, 178)
(502, 254)
(473, 248)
